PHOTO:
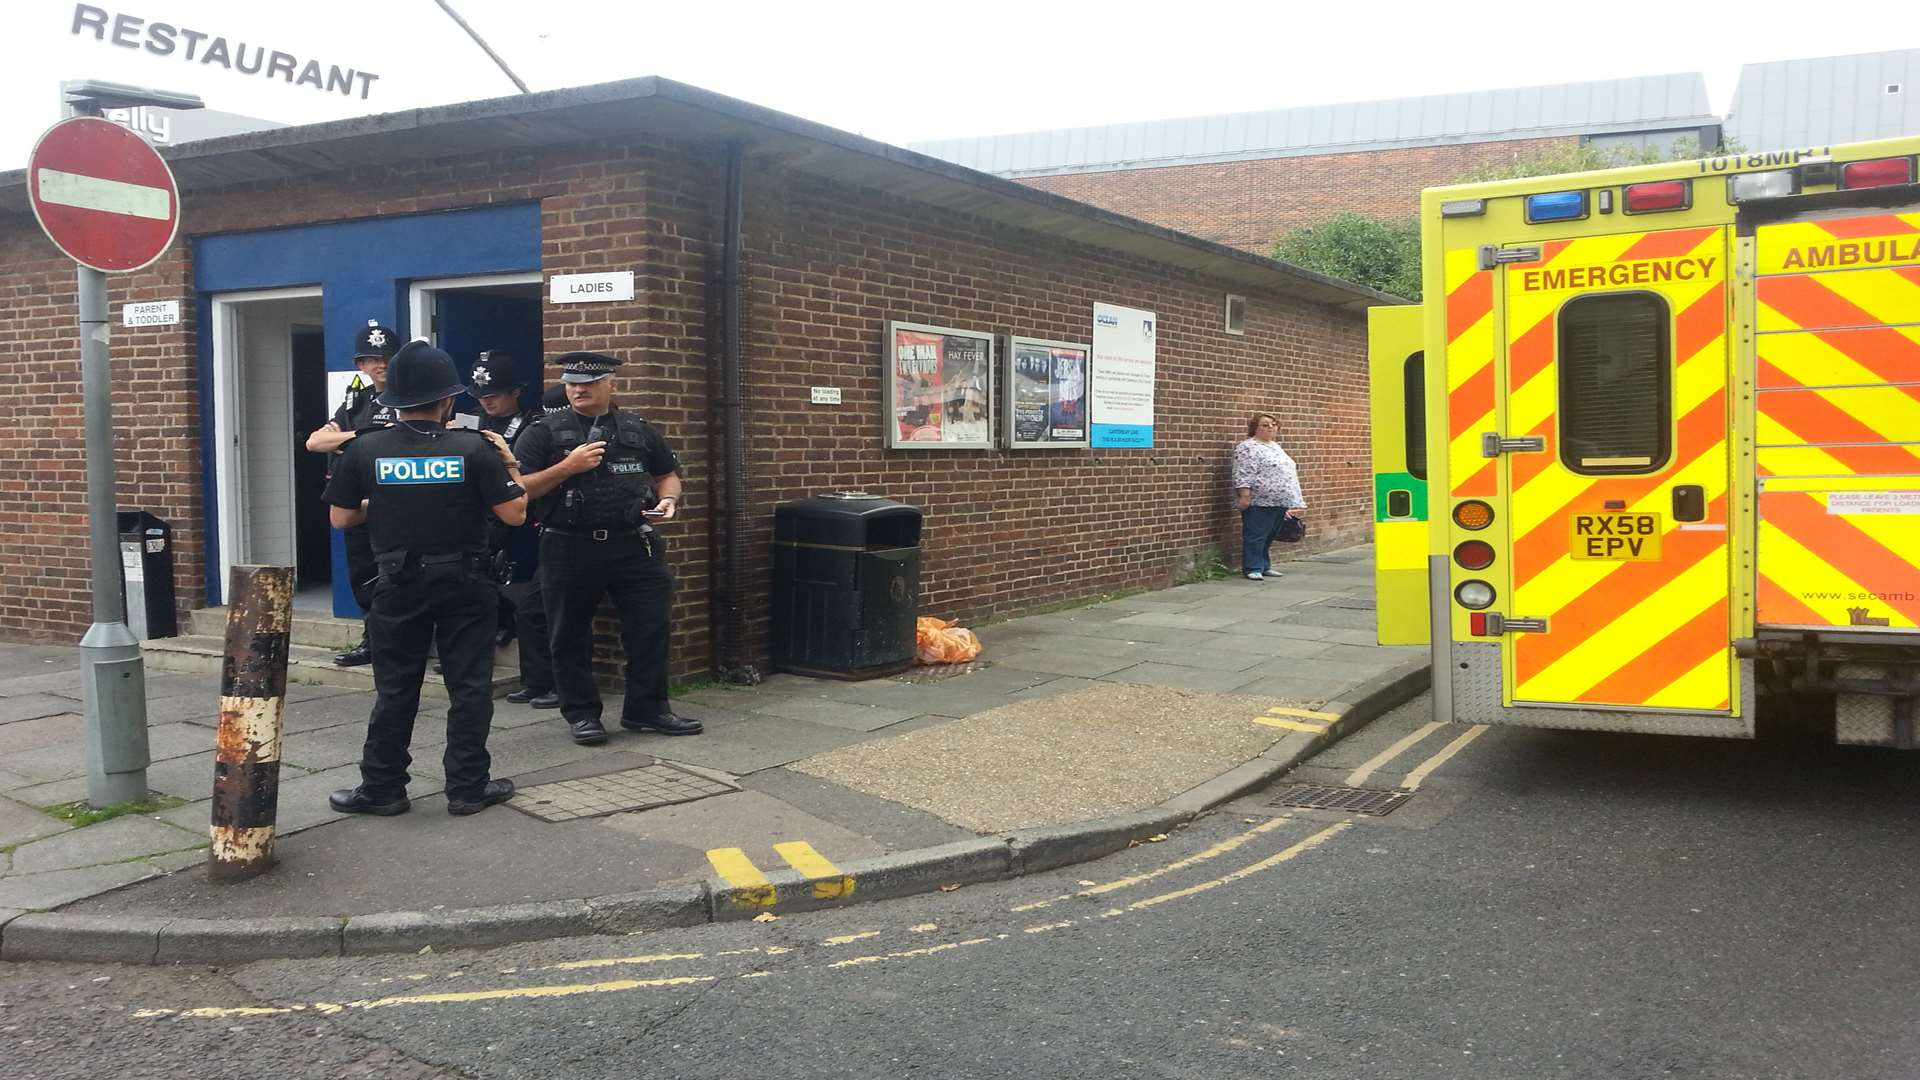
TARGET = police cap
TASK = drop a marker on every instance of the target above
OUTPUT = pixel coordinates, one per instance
(585, 367)
(375, 340)
(493, 374)
(420, 375)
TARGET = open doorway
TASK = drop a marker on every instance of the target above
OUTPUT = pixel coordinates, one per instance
(271, 389)
(492, 313)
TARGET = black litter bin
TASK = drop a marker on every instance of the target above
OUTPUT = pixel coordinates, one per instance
(846, 585)
(146, 562)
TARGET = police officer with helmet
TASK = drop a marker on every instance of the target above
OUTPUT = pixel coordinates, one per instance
(498, 391)
(602, 478)
(361, 411)
(426, 494)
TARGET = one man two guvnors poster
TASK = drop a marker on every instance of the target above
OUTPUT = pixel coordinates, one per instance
(940, 381)
(1046, 394)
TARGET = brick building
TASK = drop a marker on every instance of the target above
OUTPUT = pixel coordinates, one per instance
(449, 222)
(1246, 179)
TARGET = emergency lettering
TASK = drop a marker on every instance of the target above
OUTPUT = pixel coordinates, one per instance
(1619, 275)
(419, 470)
(1852, 253)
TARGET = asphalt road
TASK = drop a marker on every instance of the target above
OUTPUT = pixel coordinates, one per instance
(1545, 904)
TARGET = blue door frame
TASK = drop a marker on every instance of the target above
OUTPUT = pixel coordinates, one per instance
(363, 269)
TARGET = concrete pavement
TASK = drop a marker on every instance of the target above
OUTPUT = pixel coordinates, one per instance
(1077, 733)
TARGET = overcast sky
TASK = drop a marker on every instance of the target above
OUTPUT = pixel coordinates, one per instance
(905, 71)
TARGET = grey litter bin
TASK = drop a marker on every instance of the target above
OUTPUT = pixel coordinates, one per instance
(146, 563)
(846, 585)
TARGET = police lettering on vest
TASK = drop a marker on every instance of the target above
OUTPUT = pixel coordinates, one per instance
(419, 470)
(612, 495)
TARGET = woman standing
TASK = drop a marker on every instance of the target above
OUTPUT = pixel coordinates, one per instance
(1266, 488)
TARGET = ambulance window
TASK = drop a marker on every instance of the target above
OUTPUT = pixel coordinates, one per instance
(1615, 406)
(1414, 395)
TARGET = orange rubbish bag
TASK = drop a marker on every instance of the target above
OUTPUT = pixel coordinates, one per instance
(942, 641)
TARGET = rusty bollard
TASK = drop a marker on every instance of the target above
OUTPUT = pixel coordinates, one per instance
(253, 695)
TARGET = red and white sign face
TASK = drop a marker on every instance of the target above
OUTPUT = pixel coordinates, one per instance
(102, 194)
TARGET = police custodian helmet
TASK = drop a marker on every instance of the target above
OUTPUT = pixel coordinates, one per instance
(420, 375)
(375, 340)
(493, 374)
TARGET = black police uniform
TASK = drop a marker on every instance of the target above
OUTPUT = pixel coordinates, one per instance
(524, 607)
(432, 491)
(593, 543)
(360, 412)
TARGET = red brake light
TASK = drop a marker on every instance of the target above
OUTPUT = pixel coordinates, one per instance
(1663, 195)
(1474, 554)
(1866, 174)
(1477, 624)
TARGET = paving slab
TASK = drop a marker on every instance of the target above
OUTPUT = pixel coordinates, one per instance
(1296, 689)
(11, 781)
(331, 747)
(1304, 632)
(20, 823)
(72, 789)
(32, 707)
(1179, 622)
(1060, 759)
(40, 732)
(1261, 645)
(840, 714)
(1182, 678)
(1162, 635)
(43, 892)
(1207, 659)
(1081, 665)
(746, 745)
(166, 741)
(125, 837)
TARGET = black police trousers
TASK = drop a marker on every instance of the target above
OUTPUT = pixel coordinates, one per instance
(452, 605)
(575, 572)
(361, 569)
(530, 628)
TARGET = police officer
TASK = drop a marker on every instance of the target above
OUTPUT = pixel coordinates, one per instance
(425, 494)
(373, 347)
(602, 478)
(498, 392)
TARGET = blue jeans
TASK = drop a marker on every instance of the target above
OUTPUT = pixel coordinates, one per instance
(1258, 526)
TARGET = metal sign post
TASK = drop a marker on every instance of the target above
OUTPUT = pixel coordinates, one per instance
(107, 200)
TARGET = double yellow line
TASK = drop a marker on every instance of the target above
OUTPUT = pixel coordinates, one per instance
(737, 870)
(1359, 776)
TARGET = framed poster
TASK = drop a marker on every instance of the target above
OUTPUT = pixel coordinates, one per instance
(1046, 394)
(939, 388)
(1124, 349)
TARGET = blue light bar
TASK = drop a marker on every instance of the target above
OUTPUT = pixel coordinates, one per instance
(1556, 206)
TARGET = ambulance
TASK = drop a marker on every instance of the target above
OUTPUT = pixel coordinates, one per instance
(1649, 453)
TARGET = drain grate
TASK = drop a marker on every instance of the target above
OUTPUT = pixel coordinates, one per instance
(1373, 802)
(616, 793)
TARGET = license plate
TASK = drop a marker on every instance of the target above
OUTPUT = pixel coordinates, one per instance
(1616, 537)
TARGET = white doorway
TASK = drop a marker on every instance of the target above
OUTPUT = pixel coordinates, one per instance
(268, 360)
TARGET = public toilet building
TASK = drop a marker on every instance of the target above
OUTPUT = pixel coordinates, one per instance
(770, 283)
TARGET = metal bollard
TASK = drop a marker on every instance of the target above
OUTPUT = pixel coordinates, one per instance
(253, 692)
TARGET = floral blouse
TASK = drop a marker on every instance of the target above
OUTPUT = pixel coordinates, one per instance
(1269, 472)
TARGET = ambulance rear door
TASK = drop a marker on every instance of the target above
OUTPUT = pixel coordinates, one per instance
(1397, 374)
(1616, 415)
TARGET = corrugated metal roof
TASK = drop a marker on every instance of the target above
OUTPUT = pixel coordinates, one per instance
(1788, 104)
(1522, 113)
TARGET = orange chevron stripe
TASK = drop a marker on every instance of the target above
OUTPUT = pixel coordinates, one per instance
(1665, 660)
(1812, 417)
(1703, 429)
(1611, 598)
(1911, 273)
(1886, 352)
(1524, 467)
(1666, 245)
(1810, 305)
(1481, 483)
(1550, 251)
(1703, 322)
(1844, 546)
(1876, 225)
(1530, 353)
(1778, 607)
(1469, 303)
(1470, 401)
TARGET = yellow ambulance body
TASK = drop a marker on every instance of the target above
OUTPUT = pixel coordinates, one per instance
(1651, 447)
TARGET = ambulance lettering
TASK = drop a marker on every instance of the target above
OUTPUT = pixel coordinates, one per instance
(1619, 275)
(1852, 253)
(419, 470)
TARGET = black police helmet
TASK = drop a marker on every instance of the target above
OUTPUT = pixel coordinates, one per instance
(375, 340)
(493, 374)
(420, 374)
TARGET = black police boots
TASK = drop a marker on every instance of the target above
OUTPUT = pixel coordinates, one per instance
(355, 800)
(356, 656)
(539, 699)
(588, 732)
(665, 724)
(496, 792)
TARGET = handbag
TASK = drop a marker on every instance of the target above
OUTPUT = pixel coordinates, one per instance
(1292, 529)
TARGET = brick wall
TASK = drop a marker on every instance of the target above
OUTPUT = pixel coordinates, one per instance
(1251, 204)
(827, 265)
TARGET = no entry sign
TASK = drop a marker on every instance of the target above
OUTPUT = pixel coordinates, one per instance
(102, 194)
